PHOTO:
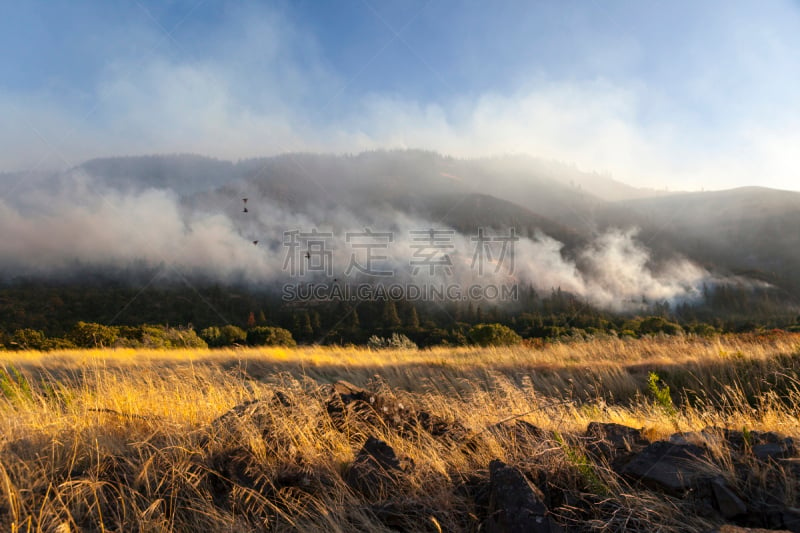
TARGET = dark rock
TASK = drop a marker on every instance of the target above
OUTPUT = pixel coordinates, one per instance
(774, 517)
(347, 392)
(347, 400)
(773, 450)
(366, 407)
(280, 399)
(253, 415)
(727, 528)
(400, 515)
(439, 427)
(476, 488)
(790, 516)
(791, 467)
(376, 470)
(668, 467)
(520, 431)
(728, 502)
(348, 403)
(616, 435)
(306, 479)
(515, 506)
(689, 437)
(765, 445)
(614, 442)
(232, 467)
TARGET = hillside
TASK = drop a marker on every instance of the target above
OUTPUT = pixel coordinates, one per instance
(182, 217)
(750, 230)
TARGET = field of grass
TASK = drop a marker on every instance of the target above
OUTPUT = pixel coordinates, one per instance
(126, 440)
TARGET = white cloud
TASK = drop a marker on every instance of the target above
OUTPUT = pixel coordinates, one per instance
(264, 88)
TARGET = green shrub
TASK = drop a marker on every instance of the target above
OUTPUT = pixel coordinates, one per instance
(57, 343)
(493, 335)
(657, 324)
(660, 393)
(212, 335)
(703, 330)
(164, 337)
(28, 339)
(92, 335)
(225, 336)
(395, 342)
(270, 336)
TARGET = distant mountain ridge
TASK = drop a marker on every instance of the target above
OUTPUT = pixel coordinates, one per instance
(751, 231)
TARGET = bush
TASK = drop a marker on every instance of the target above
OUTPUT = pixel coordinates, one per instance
(442, 337)
(91, 335)
(703, 330)
(493, 335)
(660, 393)
(224, 336)
(28, 339)
(34, 339)
(270, 336)
(212, 335)
(148, 336)
(657, 324)
(181, 338)
(395, 342)
(58, 343)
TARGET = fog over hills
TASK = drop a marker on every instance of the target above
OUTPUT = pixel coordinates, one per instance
(751, 230)
(182, 215)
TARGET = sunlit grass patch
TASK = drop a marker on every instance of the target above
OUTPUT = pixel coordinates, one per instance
(125, 439)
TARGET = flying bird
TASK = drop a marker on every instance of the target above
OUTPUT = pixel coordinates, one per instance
(244, 210)
(255, 243)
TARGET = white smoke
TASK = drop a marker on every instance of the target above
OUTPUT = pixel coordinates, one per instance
(615, 272)
(80, 223)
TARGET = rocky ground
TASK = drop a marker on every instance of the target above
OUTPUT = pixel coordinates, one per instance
(716, 479)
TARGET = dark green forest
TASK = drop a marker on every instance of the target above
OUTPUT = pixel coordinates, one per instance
(40, 315)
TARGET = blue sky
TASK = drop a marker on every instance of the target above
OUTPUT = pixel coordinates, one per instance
(685, 95)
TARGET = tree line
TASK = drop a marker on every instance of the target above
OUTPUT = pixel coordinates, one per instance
(39, 316)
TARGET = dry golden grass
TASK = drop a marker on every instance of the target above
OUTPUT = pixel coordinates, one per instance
(123, 440)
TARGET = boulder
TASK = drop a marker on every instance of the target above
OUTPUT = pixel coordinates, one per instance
(515, 505)
(774, 450)
(232, 467)
(250, 416)
(671, 468)
(790, 517)
(727, 501)
(520, 431)
(438, 426)
(764, 445)
(409, 515)
(347, 400)
(614, 442)
(349, 403)
(727, 528)
(376, 470)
